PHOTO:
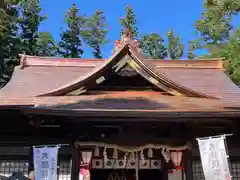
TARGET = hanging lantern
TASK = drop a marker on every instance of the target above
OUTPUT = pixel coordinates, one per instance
(176, 157)
(84, 174)
(86, 158)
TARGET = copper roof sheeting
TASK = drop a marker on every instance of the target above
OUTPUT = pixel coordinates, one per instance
(129, 100)
(140, 66)
(32, 81)
(41, 75)
(123, 101)
(76, 62)
(213, 82)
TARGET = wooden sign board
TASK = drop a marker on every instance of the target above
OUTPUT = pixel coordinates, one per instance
(122, 164)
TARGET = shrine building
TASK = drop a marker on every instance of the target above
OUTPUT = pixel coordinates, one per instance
(121, 118)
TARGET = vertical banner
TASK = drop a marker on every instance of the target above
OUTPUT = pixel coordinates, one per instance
(45, 163)
(214, 158)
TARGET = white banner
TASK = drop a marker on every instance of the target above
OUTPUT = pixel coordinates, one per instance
(45, 163)
(214, 158)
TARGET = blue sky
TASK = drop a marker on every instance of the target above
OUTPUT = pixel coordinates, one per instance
(152, 16)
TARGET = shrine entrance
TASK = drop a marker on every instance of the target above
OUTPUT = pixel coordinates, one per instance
(126, 174)
(111, 162)
(120, 169)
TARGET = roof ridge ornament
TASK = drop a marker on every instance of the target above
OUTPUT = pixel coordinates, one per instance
(23, 61)
(127, 38)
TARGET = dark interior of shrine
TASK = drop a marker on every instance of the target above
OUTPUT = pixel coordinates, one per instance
(19, 126)
(125, 174)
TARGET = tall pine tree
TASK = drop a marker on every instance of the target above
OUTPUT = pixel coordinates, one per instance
(46, 45)
(71, 43)
(175, 47)
(29, 22)
(9, 40)
(231, 51)
(218, 36)
(129, 22)
(214, 26)
(153, 46)
(95, 32)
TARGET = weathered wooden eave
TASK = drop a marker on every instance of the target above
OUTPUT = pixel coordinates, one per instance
(140, 115)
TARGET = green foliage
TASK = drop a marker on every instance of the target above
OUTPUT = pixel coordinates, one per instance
(216, 35)
(9, 41)
(19, 33)
(214, 27)
(95, 32)
(71, 44)
(175, 47)
(46, 45)
(193, 45)
(129, 22)
(231, 52)
(29, 22)
(224, 7)
(153, 46)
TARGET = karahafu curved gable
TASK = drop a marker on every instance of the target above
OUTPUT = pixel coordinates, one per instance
(126, 55)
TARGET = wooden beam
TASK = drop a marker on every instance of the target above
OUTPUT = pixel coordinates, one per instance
(164, 170)
(188, 169)
(30, 160)
(173, 115)
(75, 164)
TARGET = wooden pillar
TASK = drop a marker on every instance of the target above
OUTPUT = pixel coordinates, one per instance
(75, 164)
(188, 169)
(30, 160)
(164, 170)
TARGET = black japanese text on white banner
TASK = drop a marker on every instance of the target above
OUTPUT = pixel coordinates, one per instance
(45, 163)
(214, 158)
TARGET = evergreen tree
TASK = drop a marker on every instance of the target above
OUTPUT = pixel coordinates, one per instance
(129, 22)
(216, 35)
(214, 26)
(71, 43)
(95, 32)
(175, 47)
(230, 51)
(227, 7)
(29, 22)
(9, 41)
(153, 46)
(193, 45)
(46, 45)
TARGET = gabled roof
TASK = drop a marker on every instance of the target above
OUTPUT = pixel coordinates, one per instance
(201, 80)
(116, 61)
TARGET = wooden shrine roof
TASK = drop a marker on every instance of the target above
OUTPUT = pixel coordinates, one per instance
(198, 85)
